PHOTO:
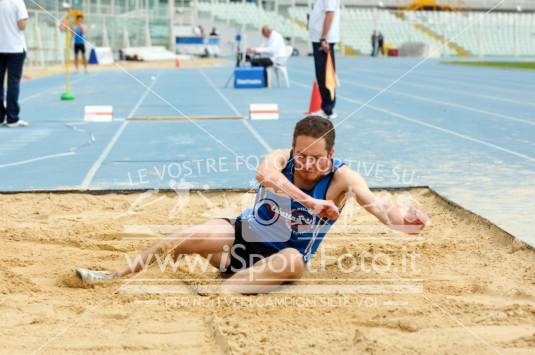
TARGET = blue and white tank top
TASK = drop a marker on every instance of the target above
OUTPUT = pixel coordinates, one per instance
(279, 223)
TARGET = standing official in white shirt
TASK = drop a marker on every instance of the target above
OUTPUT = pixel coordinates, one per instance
(13, 17)
(324, 32)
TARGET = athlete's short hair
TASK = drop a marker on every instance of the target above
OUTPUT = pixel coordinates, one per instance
(316, 127)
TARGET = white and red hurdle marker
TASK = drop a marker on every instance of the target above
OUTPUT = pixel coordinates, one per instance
(264, 112)
(98, 113)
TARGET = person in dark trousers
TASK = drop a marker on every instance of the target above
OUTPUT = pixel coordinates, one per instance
(375, 45)
(324, 32)
(381, 44)
(13, 17)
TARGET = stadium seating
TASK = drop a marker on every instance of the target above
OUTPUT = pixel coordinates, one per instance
(499, 33)
(251, 15)
(357, 26)
(470, 32)
(46, 44)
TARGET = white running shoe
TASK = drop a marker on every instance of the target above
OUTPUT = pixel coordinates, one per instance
(91, 276)
(333, 115)
(319, 113)
(19, 123)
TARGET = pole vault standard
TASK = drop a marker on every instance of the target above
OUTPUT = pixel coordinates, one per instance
(65, 26)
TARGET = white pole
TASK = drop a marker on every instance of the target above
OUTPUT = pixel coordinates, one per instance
(126, 37)
(172, 40)
(194, 13)
(105, 39)
(515, 32)
(211, 11)
(39, 38)
(227, 20)
(147, 28)
(480, 27)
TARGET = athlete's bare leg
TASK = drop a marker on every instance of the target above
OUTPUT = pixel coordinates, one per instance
(210, 238)
(76, 60)
(84, 62)
(267, 274)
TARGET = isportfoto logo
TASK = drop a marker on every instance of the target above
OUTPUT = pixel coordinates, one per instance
(266, 212)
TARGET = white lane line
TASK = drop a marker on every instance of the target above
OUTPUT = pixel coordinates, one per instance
(48, 90)
(22, 162)
(420, 76)
(429, 125)
(254, 132)
(98, 163)
(455, 91)
(515, 85)
(39, 135)
(446, 103)
(460, 77)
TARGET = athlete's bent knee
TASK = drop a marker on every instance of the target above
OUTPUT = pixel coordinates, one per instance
(291, 262)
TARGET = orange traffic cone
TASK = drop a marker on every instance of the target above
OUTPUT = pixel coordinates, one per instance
(177, 62)
(315, 99)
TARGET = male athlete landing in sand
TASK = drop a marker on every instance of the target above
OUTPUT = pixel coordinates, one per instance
(301, 194)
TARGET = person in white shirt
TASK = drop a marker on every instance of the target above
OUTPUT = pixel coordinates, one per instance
(270, 52)
(324, 33)
(13, 17)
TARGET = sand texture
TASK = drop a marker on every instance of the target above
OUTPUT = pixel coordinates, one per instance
(478, 286)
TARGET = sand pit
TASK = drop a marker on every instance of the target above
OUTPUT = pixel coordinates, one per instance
(477, 286)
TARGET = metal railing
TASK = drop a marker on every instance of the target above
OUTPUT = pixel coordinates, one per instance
(46, 42)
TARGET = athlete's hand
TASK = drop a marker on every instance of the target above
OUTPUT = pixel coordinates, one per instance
(414, 220)
(323, 208)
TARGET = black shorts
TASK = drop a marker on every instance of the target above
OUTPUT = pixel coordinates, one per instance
(79, 48)
(244, 254)
(260, 62)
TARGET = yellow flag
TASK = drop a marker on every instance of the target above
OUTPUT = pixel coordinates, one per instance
(330, 76)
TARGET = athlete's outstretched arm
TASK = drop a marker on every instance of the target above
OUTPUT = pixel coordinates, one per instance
(269, 174)
(412, 221)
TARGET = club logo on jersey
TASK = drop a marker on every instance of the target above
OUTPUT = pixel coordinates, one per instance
(302, 221)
